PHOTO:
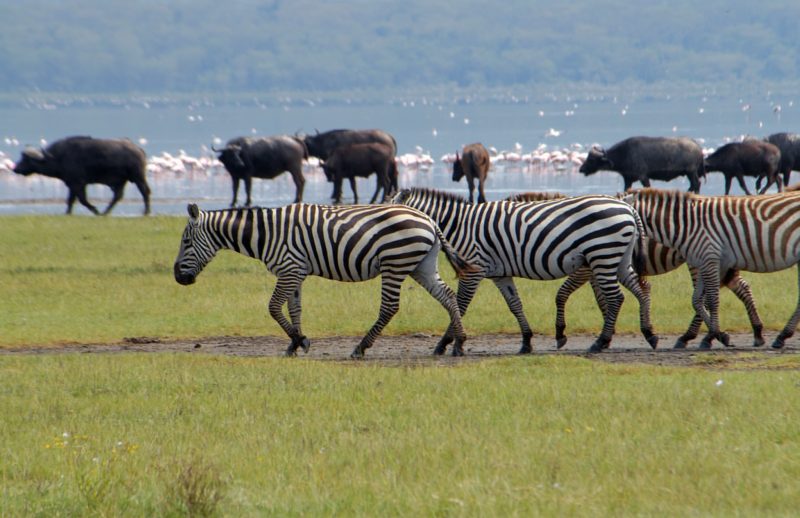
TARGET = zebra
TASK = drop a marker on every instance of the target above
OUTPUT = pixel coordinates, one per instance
(545, 240)
(350, 243)
(717, 234)
(658, 259)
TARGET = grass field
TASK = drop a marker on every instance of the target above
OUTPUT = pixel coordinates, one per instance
(161, 435)
(85, 279)
(201, 435)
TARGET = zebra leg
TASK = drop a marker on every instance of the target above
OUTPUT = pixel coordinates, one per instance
(575, 280)
(390, 303)
(427, 275)
(509, 291)
(285, 288)
(613, 296)
(709, 284)
(741, 289)
(694, 327)
(467, 286)
(788, 331)
(641, 290)
(295, 313)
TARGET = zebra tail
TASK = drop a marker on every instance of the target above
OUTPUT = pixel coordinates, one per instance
(460, 265)
(640, 252)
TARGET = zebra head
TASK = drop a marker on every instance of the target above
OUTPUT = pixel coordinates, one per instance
(197, 249)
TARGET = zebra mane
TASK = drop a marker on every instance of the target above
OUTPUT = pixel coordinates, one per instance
(650, 193)
(434, 194)
(536, 196)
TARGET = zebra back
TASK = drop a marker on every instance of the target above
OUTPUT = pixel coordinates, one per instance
(536, 240)
(759, 233)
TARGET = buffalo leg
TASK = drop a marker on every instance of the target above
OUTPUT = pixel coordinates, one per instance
(248, 187)
(235, 190)
(119, 191)
(481, 194)
(80, 192)
(354, 189)
(728, 181)
(145, 190)
(299, 183)
(471, 184)
(740, 179)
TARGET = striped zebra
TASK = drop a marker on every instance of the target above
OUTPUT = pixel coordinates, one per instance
(351, 243)
(717, 234)
(658, 259)
(545, 240)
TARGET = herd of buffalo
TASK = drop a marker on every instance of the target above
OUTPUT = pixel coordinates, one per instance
(347, 154)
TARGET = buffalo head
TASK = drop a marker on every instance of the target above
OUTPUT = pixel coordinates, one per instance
(596, 160)
(231, 157)
(32, 161)
(458, 169)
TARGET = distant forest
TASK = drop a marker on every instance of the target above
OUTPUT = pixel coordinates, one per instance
(149, 46)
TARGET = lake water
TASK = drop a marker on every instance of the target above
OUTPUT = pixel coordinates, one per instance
(434, 128)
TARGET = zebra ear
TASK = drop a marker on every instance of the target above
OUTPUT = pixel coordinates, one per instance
(194, 211)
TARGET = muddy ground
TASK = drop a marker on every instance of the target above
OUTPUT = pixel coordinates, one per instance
(417, 349)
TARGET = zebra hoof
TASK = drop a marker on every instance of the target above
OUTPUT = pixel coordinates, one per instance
(525, 349)
(357, 354)
(680, 344)
(758, 341)
(290, 353)
(303, 342)
(439, 350)
(561, 342)
(597, 347)
(651, 338)
(778, 343)
(725, 339)
(705, 345)
(458, 351)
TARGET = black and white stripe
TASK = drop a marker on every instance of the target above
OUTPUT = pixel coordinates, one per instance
(350, 243)
(657, 260)
(720, 234)
(547, 240)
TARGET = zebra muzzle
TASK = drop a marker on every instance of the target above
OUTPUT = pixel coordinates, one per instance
(183, 278)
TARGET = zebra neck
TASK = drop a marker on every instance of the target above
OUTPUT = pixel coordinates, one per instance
(246, 231)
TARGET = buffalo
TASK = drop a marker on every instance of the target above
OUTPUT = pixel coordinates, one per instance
(362, 160)
(789, 144)
(752, 158)
(473, 163)
(79, 161)
(641, 159)
(322, 145)
(246, 158)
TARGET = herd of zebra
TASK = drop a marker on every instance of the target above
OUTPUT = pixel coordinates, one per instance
(604, 240)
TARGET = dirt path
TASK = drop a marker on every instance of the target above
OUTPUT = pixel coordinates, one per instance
(417, 349)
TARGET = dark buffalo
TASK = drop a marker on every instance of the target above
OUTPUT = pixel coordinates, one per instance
(789, 144)
(322, 145)
(79, 161)
(751, 158)
(246, 158)
(362, 160)
(641, 159)
(473, 163)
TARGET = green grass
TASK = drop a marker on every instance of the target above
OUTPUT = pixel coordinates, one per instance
(87, 279)
(165, 435)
